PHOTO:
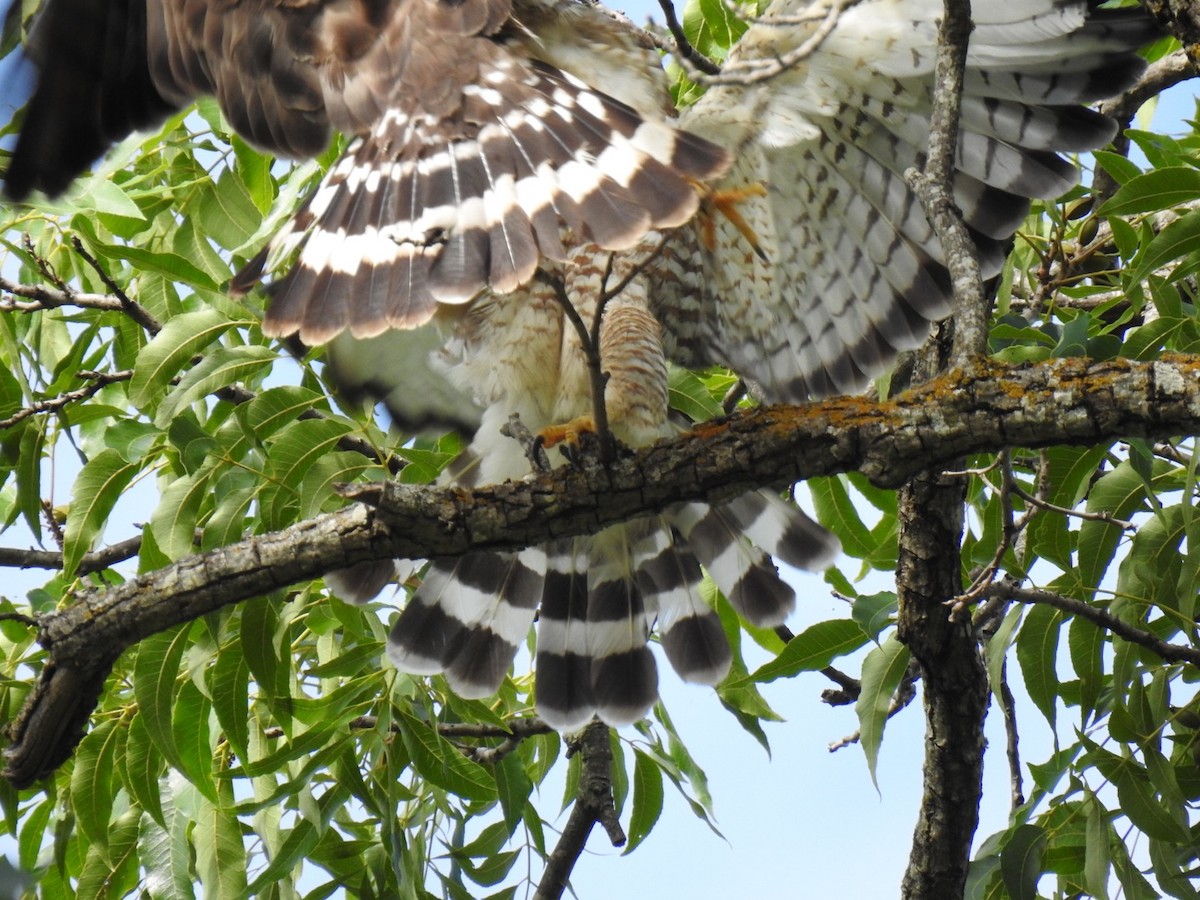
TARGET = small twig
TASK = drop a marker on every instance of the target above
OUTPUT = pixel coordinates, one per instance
(683, 49)
(1035, 501)
(1102, 618)
(754, 71)
(43, 266)
(28, 621)
(535, 450)
(40, 297)
(591, 352)
(10, 557)
(52, 523)
(848, 688)
(1008, 707)
(99, 380)
(135, 311)
(593, 804)
(934, 188)
(1172, 453)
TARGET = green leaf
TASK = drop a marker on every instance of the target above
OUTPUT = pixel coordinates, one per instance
(438, 761)
(691, 396)
(1097, 856)
(997, 647)
(813, 649)
(874, 612)
(514, 787)
(297, 448)
(882, 672)
(1144, 810)
(171, 350)
(156, 685)
(220, 854)
(143, 767)
(174, 519)
(1153, 191)
(276, 407)
(97, 489)
(647, 799)
(1021, 861)
(165, 857)
(111, 870)
(226, 212)
(1177, 239)
(189, 723)
(1118, 493)
(836, 511)
(1037, 649)
(1086, 644)
(107, 198)
(220, 368)
(177, 268)
(260, 620)
(92, 781)
(711, 26)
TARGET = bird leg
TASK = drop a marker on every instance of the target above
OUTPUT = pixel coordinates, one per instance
(725, 202)
(589, 341)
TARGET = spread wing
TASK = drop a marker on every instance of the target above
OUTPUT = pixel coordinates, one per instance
(473, 146)
(853, 273)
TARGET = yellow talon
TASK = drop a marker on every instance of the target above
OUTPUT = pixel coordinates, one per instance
(569, 432)
(725, 202)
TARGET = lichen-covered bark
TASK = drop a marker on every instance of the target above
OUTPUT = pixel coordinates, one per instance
(954, 686)
(992, 407)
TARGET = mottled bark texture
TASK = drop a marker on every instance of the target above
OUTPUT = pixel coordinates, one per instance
(930, 513)
(954, 685)
(992, 407)
(593, 803)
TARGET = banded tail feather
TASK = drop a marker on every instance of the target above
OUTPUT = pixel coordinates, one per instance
(599, 598)
(468, 617)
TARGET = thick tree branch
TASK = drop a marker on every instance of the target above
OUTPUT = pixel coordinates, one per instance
(930, 515)
(1062, 401)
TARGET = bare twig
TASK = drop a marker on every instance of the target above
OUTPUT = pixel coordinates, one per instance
(1102, 618)
(98, 381)
(934, 186)
(11, 557)
(43, 266)
(135, 311)
(535, 452)
(683, 50)
(597, 378)
(755, 71)
(593, 804)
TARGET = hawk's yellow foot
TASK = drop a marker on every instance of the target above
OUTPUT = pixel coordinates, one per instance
(568, 432)
(724, 202)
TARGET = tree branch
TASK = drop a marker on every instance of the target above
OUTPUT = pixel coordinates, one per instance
(1061, 401)
(593, 804)
(930, 515)
(11, 557)
(1101, 617)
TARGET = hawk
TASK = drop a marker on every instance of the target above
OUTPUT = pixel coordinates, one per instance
(508, 154)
